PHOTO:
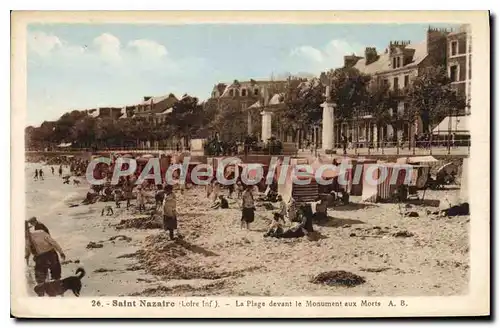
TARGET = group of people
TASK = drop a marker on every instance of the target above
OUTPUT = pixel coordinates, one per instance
(38, 174)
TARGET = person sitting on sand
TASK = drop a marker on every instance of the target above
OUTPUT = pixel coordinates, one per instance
(321, 210)
(248, 208)
(282, 208)
(292, 210)
(301, 229)
(275, 229)
(221, 203)
(169, 207)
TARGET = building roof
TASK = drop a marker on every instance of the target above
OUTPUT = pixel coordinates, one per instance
(155, 100)
(245, 84)
(383, 63)
(276, 99)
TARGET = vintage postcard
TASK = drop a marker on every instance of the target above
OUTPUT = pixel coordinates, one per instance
(250, 164)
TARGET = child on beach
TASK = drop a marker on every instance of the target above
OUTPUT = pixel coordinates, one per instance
(141, 198)
(117, 194)
(169, 212)
(248, 208)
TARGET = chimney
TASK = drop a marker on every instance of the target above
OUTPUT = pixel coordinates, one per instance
(350, 60)
(371, 55)
(437, 45)
(146, 98)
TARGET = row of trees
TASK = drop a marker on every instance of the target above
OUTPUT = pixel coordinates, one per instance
(430, 96)
(188, 119)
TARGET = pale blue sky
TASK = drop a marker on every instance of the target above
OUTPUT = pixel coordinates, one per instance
(80, 66)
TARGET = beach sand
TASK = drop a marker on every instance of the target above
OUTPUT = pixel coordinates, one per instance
(216, 257)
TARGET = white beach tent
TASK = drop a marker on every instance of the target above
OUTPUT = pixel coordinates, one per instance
(458, 125)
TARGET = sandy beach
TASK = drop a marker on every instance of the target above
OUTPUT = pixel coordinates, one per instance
(396, 255)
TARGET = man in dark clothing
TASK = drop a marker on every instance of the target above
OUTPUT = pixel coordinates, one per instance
(38, 225)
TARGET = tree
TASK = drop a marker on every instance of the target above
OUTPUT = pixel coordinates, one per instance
(379, 103)
(230, 122)
(302, 104)
(84, 132)
(187, 117)
(349, 91)
(432, 97)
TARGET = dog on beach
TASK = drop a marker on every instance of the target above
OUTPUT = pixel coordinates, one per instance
(76, 182)
(108, 209)
(59, 287)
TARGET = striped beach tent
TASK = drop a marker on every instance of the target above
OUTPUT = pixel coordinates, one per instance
(382, 180)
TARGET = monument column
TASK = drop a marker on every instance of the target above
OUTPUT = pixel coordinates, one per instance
(266, 116)
(327, 135)
(266, 125)
(249, 122)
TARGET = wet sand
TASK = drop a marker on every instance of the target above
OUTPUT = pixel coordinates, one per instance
(396, 255)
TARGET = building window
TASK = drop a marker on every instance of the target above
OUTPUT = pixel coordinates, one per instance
(406, 109)
(398, 62)
(231, 92)
(407, 80)
(396, 83)
(454, 48)
(385, 82)
(454, 73)
(394, 62)
(256, 92)
(243, 92)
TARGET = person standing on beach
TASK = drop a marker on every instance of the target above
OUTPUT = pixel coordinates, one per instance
(41, 174)
(169, 211)
(248, 208)
(36, 175)
(141, 198)
(52, 169)
(60, 170)
(46, 256)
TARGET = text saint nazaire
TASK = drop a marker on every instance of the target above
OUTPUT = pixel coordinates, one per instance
(143, 303)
